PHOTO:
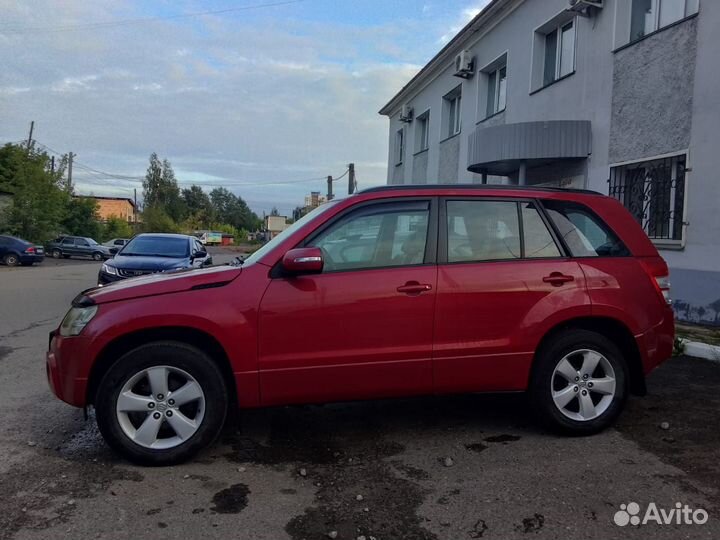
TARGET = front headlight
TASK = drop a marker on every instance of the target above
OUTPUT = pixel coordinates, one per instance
(109, 269)
(76, 319)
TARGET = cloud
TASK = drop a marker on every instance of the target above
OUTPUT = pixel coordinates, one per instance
(227, 101)
(466, 15)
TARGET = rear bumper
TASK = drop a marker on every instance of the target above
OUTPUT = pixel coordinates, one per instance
(31, 259)
(656, 345)
(64, 364)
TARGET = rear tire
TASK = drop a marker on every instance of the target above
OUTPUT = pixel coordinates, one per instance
(11, 259)
(130, 397)
(97, 256)
(56, 253)
(579, 383)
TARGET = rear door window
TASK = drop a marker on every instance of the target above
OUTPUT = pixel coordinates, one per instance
(482, 231)
(584, 233)
(68, 241)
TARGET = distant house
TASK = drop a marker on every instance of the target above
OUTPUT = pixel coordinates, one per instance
(118, 207)
(274, 225)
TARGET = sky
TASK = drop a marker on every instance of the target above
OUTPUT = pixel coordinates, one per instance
(264, 97)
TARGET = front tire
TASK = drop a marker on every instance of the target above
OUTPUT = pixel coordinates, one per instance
(162, 403)
(579, 383)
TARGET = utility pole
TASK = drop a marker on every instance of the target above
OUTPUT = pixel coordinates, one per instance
(135, 210)
(69, 178)
(329, 191)
(52, 164)
(29, 141)
(351, 179)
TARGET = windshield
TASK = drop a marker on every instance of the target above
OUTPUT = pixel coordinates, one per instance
(156, 246)
(307, 218)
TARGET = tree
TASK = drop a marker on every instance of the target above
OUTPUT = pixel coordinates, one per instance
(39, 195)
(156, 220)
(160, 189)
(199, 209)
(116, 227)
(81, 218)
(233, 210)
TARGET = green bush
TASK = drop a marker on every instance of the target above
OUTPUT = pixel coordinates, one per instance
(116, 228)
(157, 221)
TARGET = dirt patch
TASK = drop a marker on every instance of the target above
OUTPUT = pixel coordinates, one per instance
(503, 438)
(231, 500)
(531, 524)
(5, 351)
(340, 450)
(476, 447)
(683, 392)
(44, 492)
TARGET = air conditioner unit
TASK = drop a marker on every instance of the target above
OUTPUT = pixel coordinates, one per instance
(464, 65)
(582, 5)
(406, 113)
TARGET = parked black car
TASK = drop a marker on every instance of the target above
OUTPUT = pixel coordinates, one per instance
(14, 251)
(153, 253)
(77, 246)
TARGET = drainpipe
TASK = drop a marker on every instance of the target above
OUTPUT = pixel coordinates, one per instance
(522, 174)
(484, 177)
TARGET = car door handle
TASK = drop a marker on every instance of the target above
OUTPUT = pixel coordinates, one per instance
(557, 279)
(413, 287)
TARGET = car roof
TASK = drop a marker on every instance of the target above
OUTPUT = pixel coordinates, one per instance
(489, 188)
(168, 235)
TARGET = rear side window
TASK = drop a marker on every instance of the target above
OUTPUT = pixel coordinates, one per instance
(539, 242)
(482, 231)
(584, 233)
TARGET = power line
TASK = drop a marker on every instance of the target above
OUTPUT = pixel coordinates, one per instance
(125, 22)
(98, 174)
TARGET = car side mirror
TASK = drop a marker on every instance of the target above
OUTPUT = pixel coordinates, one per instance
(303, 261)
(199, 254)
(113, 251)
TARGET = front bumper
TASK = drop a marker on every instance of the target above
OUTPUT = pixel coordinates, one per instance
(65, 365)
(104, 278)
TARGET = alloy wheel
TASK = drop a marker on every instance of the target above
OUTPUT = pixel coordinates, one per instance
(160, 407)
(583, 385)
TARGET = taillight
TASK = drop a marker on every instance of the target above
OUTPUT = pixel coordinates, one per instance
(660, 275)
(30, 250)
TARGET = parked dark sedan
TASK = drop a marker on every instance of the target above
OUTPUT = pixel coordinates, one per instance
(153, 253)
(14, 251)
(77, 246)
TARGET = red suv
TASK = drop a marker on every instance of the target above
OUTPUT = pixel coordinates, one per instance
(396, 291)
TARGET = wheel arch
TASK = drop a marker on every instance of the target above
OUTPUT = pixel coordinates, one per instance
(181, 334)
(614, 330)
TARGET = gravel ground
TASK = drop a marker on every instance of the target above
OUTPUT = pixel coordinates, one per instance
(429, 468)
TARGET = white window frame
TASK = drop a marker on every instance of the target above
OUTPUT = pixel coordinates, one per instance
(452, 106)
(492, 104)
(559, 50)
(399, 146)
(422, 132)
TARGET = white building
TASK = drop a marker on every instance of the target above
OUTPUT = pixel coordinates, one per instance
(617, 96)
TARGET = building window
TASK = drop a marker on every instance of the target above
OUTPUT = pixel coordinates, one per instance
(496, 90)
(654, 193)
(559, 52)
(646, 16)
(422, 130)
(451, 108)
(399, 146)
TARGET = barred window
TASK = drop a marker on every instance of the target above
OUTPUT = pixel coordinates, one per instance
(654, 193)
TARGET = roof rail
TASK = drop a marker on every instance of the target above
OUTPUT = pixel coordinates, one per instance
(479, 187)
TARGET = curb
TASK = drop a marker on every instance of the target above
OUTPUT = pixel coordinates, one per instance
(702, 350)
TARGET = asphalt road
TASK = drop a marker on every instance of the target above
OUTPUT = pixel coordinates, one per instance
(375, 469)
